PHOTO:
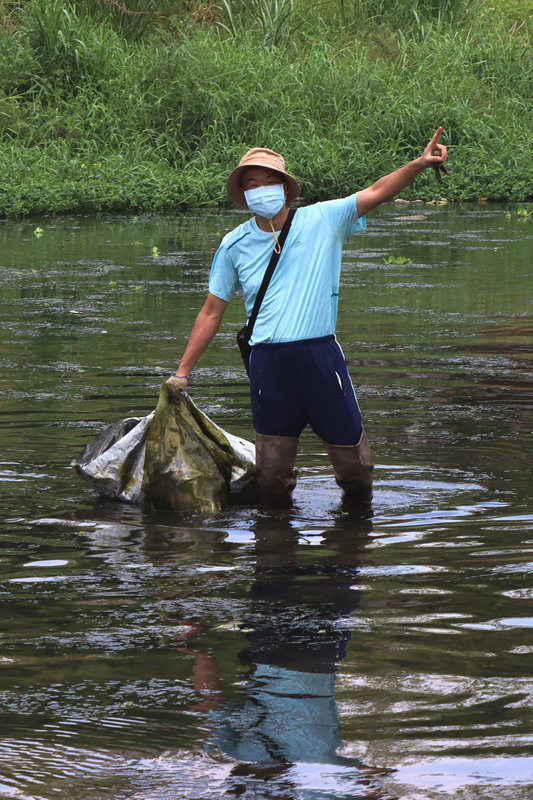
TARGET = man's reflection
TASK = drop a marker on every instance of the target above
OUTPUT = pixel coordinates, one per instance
(286, 733)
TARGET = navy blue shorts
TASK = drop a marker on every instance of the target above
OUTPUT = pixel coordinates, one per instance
(295, 384)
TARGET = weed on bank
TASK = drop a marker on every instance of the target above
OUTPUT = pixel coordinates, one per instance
(105, 110)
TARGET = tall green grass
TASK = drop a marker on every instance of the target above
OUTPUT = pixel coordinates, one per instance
(100, 110)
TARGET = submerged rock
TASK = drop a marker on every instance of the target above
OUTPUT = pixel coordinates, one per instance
(175, 458)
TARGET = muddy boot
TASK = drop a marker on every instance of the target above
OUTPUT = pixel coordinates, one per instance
(276, 478)
(352, 465)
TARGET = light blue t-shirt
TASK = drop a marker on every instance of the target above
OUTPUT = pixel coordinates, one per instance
(302, 297)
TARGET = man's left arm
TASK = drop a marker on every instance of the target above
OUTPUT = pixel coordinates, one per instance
(390, 185)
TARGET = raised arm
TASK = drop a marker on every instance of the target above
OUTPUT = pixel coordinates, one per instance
(390, 185)
(203, 332)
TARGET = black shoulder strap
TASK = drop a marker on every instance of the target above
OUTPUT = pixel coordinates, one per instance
(270, 270)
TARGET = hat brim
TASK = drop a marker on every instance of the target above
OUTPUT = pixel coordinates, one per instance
(236, 192)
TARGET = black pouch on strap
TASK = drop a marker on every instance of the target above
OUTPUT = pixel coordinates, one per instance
(243, 342)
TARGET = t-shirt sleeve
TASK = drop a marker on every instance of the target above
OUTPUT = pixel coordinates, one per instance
(223, 280)
(341, 215)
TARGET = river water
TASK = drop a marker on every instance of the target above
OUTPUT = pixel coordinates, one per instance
(305, 656)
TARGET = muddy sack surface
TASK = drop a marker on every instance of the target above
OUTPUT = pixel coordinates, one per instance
(176, 458)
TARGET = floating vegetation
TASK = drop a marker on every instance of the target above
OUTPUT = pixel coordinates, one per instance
(397, 260)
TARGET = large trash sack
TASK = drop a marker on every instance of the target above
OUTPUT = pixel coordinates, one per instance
(175, 458)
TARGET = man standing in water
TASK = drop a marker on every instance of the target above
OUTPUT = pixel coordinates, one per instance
(298, 374)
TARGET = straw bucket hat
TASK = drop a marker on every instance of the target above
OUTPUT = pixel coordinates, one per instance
(260, 157)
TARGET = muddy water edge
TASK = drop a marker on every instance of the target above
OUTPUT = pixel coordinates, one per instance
(309, 655)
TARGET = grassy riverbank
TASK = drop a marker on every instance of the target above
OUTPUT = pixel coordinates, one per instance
(103, 110)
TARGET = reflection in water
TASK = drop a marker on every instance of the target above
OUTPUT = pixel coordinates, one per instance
(285, 731)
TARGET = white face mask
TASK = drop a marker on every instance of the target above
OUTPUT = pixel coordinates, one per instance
(266, 201)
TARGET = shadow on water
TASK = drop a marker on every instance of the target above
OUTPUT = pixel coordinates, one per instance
(306, 656)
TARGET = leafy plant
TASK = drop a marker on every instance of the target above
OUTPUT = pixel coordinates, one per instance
(271, 18)
(397, 260)
(100, 114)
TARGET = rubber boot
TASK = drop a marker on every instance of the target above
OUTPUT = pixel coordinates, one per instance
(352, 465)
(274, 460)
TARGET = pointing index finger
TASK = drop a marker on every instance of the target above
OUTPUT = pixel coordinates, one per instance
(436, 135)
